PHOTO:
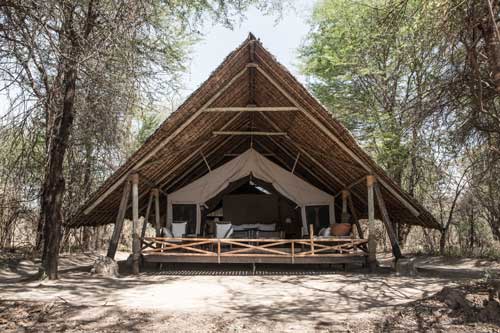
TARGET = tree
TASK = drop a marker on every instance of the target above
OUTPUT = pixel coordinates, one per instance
(54, 52)
(416, 81)
(376, 78)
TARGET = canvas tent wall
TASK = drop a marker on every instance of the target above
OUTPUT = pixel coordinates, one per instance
(246, 164)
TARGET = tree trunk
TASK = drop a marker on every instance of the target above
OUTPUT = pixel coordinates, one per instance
(490, 30)
(96, 238)
(54, 184)
(442, 241)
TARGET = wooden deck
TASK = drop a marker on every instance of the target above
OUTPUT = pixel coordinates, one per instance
(279, 251)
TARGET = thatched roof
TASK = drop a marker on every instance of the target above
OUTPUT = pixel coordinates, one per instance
(175, 154)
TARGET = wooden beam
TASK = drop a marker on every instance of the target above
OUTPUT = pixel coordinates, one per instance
(253, 109)
(254, 133)
(156, 195)
(295, 163)
(351, 185)
(341, 144)
(372, 242)
(355, 216)
(166, 140)
(235, 155)
(311, 238)
(345, 195)
(396, 250)
(146, 217)
(206, 163)
(113, 243)
(136, 246)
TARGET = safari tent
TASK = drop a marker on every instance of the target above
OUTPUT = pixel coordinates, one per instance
(253, 153)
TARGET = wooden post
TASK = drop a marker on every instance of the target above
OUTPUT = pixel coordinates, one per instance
(396, 250)
(334, 219)
(345, 195)
(311, 237)
(372, 242)
(355, 217)
(293, 251)
(146, 217)
(218, 251)
(156, 194)
(113, 243)
(135, 222)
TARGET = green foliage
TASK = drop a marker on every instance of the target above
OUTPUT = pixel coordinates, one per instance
(371, 75)
(407, 78)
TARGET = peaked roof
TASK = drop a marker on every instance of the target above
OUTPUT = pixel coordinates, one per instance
(251, 91)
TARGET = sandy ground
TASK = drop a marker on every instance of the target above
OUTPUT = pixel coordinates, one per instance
(337, 301)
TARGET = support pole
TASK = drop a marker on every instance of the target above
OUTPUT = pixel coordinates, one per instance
(156, 194)
(146, 217)
(311, 238)
(135, 222)
(113, 243)
(396, 250)
(344, 217)
(355, 217)
(345, 195)
(295, 163)
(372, 242)
(334, 218)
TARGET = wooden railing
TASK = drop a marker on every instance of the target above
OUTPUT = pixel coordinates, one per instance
(283, 248)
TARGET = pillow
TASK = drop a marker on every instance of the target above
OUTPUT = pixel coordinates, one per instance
(244, 226)
(237, 228)
(267, 227)
(325, 232)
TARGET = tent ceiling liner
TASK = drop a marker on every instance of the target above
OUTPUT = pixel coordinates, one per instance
(324, 156)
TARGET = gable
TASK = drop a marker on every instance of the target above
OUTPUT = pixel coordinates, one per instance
(250, 92)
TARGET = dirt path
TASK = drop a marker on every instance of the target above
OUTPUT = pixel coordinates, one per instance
(276, 302)
(336, 302)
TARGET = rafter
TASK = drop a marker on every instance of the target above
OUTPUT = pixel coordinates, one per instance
(249, 133)
(253, 109)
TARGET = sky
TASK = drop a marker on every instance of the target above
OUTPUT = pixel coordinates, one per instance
(282, 37)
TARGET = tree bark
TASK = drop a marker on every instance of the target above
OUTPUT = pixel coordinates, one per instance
(59, 133)
(442, 241)
(491, 34)
(54, 184)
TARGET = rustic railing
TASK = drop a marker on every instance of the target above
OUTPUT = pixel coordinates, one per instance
(282, 248)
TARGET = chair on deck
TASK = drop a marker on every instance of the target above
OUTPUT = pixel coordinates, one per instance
(223, 230)
(177, 230)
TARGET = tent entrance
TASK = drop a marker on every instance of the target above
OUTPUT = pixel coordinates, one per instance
(249, 202)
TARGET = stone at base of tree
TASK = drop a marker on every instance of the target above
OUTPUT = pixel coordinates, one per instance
(105, 266)
(405, 267)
